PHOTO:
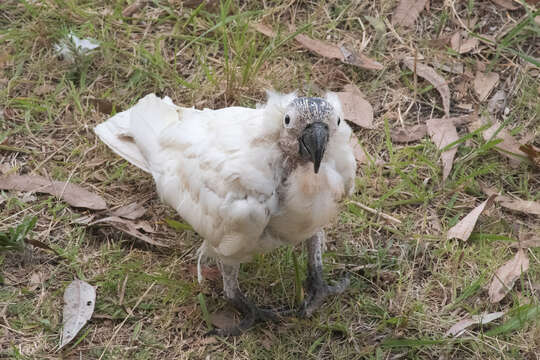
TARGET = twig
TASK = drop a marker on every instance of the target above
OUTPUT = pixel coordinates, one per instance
(125, 319)
(373, 211)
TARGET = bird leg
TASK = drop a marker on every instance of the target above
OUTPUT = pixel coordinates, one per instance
(316, 288)
(251, 313)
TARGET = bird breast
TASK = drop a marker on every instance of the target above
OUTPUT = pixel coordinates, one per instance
(308, 202)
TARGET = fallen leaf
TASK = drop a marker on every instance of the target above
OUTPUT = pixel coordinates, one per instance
(44, 89)
(133, 8)
(131, 211)
(484, 83)
(525, 206)
(208, 4)
(327, 50)
(102, 105)
(79, 301)
(73, 194)
(131, 228)
(355, 108)
(450, 67)
(463, 229)
(496, 102)
(443, 133)
(459, 328)
(507, 4)
(407, 11)
(506, 276)
(462, 43)
(533, 153)
(435, 79)
(358, 151)
(208, 272)
(223, 319)
(509, 147)
(408, 134)
(528, 241)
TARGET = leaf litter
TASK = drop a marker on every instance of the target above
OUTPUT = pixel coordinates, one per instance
(73, 194)
(407, 12)
(327, 50)
(444, 133)
(463, 229)
(131, 228)
(434, 78)
(519, 205)
(79, 302)
(506, 276)
(356, 109)
(483, 319)
(484, 84)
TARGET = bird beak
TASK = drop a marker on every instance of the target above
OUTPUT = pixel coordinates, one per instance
(313, 143)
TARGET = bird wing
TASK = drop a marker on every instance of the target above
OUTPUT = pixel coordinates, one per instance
(217, 168)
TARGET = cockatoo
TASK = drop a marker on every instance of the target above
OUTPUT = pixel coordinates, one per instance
(247, 180)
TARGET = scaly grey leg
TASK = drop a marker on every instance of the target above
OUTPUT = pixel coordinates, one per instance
(252, 314)
(316, 288)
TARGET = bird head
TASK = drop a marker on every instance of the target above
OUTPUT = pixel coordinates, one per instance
(308, 126)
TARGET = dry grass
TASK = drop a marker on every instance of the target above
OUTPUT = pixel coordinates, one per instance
(409, 284)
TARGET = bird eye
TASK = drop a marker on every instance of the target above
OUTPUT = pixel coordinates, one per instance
(287, 119)
(338, 120)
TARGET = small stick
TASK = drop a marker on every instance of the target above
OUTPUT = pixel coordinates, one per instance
(373, 211)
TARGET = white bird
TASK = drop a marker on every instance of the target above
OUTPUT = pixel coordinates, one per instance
(247, 180)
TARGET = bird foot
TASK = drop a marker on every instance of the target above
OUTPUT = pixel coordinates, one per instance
(251, 315)
(317, 290)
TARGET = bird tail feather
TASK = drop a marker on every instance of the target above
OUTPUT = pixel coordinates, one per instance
(133, 134)
(116, 135)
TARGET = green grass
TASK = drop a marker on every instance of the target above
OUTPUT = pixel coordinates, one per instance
(409, 285)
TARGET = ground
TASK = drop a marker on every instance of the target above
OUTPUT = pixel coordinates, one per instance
(409, 284)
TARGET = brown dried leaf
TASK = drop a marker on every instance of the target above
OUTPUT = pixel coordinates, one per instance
(506, 276)
(462, 43)
(208, 272)
(463, 229)
(417, 132)
(484, 84)
(102, 105)
(443, 133)
(327, 50)
(74, 195)
(525, 206)
(223, 319)
(509, 147)
(355, 108)
(408, 134)
(407, 11)
(459, 328)
(131, 211)
(133, 8)
(359, 153)
(532, 152)
(434, 78)
(507, 4)
(44, 89)
(527, 241)
(131, 228)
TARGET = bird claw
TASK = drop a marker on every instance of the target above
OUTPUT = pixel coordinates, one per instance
(317, 291)
(252, 315)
